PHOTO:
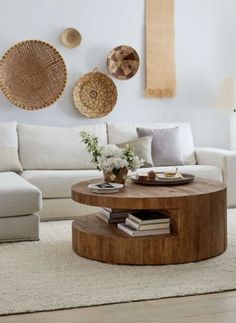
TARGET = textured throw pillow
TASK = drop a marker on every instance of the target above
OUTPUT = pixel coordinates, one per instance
(142, 147)
(9, 160)
(166, 150)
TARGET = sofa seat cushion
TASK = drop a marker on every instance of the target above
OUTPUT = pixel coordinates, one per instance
(19, 228)
(17, 196)
(121, 132)
(62, 209)
(57, 183)
(205, 171)
(56, 148)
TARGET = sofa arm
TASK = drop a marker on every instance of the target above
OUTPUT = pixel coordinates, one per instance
(224, 159)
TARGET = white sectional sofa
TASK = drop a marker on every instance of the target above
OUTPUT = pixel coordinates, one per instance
(19, 200)
(54, 158)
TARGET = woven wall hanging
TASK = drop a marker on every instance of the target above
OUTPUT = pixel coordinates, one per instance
(95, 94)
(160, 49)
(123, 62)
(32, 74)
(70, 38)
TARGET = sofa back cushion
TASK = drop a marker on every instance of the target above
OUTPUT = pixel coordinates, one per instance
(44, 147)
(121, 132)
(9, 159)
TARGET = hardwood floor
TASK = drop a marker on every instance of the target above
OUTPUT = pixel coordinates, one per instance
(217, 308)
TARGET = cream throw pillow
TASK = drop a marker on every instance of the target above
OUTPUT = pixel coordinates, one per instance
(142, 147)
(9, 159)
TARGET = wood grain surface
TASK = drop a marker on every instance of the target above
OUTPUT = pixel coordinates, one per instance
(136, 196)
(198, 224)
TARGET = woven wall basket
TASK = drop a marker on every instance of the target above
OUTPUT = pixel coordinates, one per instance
(95, 94)
(71, 37)
(32, 74)
(123, 62)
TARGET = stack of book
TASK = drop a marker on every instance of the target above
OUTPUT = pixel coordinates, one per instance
(113, 215)
(145, 223)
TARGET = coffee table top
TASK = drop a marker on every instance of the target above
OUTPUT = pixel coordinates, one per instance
(135, 196)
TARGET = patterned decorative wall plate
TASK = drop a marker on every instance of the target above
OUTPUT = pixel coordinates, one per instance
(32, 74)
(71, 37)
(95, 94)
(123, 62)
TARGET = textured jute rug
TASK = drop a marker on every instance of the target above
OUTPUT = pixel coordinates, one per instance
(47, 275)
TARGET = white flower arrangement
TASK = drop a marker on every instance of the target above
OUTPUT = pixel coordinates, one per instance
(110, 157)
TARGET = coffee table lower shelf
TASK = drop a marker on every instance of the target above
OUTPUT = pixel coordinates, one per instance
(94, 239)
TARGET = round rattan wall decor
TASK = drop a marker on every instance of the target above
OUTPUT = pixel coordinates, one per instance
(32, 74)
(71, 37)
(95, 94)
(123, 62)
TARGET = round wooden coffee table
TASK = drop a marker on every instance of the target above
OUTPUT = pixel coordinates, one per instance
(198, 224)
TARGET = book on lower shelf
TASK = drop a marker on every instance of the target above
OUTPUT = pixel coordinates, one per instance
(109, 220)
(115, 213)
(145, 223)
(148, 217)
(139, 233)
(152, 226)
(113, 216)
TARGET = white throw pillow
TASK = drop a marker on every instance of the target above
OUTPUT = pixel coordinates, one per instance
(142, 147)
(44, 147)
(9, 159)
(121, 132)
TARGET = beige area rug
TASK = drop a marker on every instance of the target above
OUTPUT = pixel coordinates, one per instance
(47, 275)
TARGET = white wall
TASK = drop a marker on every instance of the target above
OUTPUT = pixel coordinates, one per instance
(205, 54)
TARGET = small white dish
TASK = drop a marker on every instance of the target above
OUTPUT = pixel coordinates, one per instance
(98, 186)
(105, 188)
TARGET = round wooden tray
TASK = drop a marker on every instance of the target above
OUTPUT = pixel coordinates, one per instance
(32, 74)
(123, 62)
(95, 94)
(188, 178)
